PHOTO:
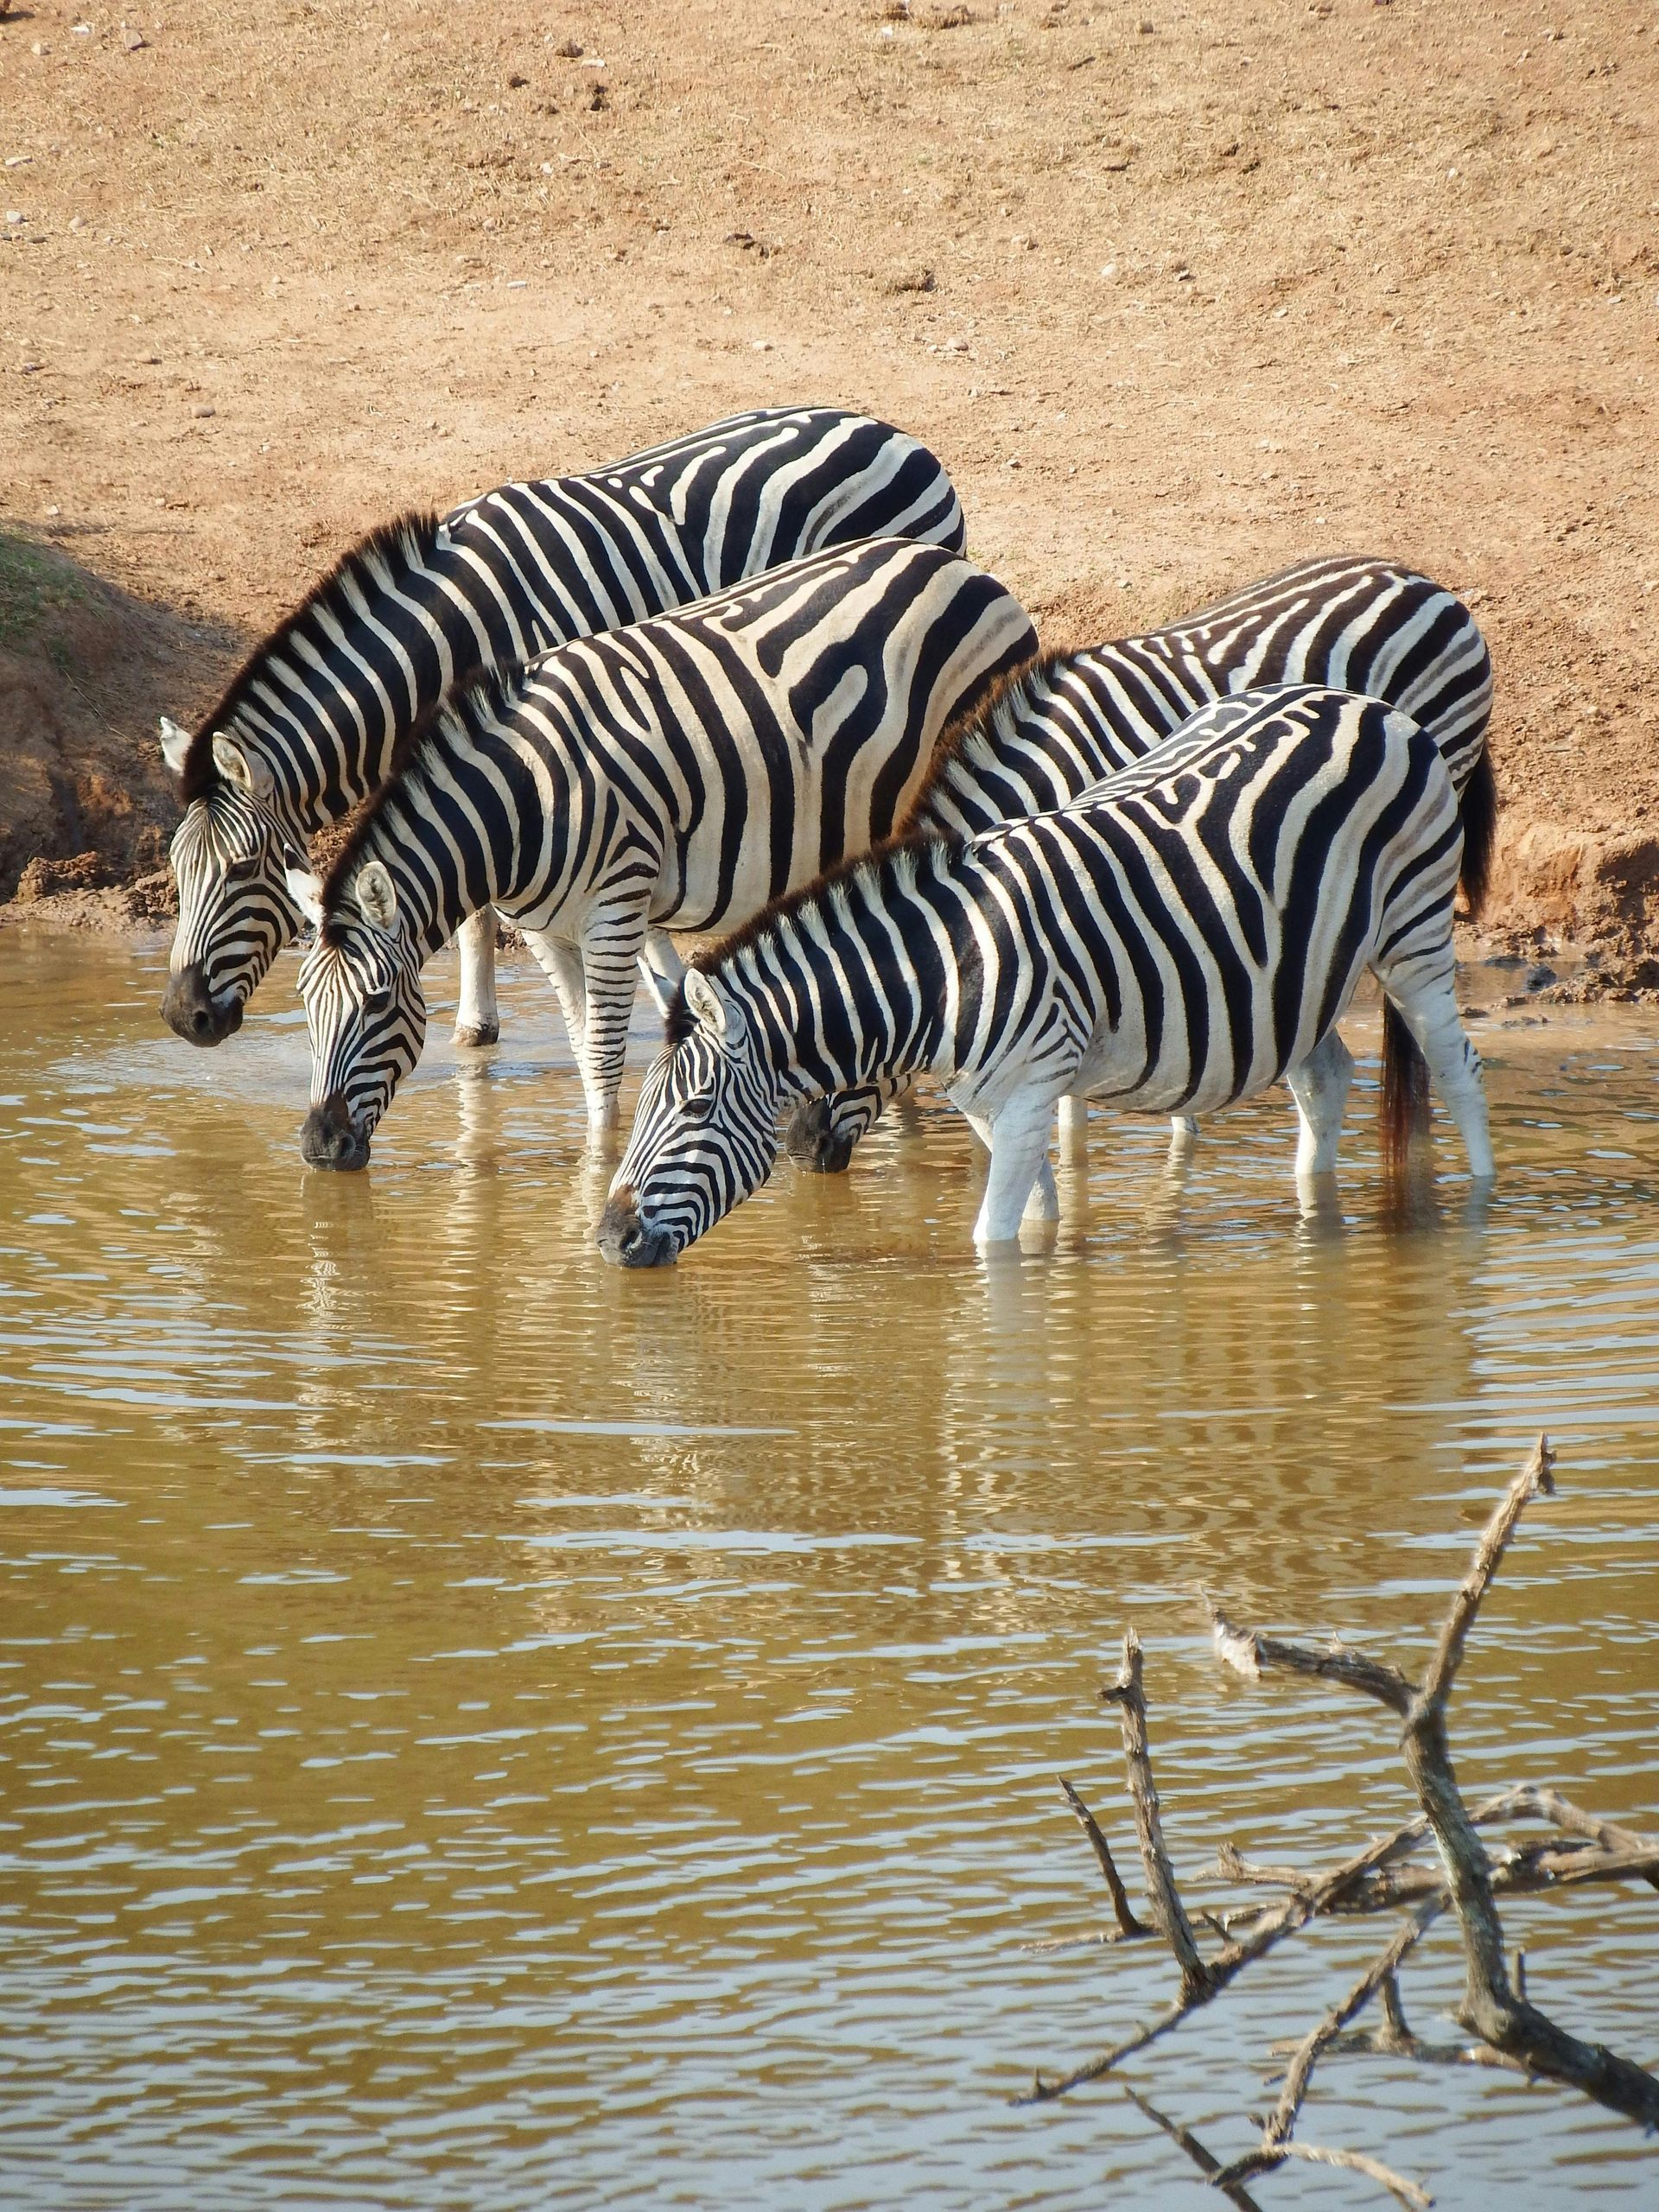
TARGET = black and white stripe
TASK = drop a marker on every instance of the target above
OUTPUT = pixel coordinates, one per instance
(1176, 941)
(677, 774)
(1353, 622)
(306, 730)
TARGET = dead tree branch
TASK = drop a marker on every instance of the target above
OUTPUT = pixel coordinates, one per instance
(1508, 2031)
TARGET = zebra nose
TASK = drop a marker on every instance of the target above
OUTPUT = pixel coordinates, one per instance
(330, 1139)
(190, 1008)
(624, 1240)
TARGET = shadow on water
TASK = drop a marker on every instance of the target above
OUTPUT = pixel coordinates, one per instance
(474, 1723)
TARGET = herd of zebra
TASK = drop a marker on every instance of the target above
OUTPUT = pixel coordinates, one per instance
(747, 686)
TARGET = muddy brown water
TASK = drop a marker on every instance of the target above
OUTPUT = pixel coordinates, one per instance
(477, 1727)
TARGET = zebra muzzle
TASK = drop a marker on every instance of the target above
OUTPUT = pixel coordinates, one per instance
(330, 1139)
(624, 1240)
(190, 1010)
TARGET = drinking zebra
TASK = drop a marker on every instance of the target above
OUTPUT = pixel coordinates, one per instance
(1176, 940)
(680, 773)
(1051, 729)
(307, 728)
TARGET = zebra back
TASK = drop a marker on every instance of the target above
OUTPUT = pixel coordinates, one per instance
(1355, 624)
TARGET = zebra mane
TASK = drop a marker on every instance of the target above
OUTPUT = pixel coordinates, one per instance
(398, 546)
(450, 720)
(973, 731)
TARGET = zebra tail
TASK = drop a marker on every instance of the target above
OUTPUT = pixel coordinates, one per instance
(1477, 808)
(1403, 1112)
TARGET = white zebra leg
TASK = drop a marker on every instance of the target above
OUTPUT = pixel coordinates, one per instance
(1182, 1132)
(1319, 1086)
(661, 967)
(562, 964)
(1019, 1141)
(1432, 1016)
(1073, 1122)
(477, 1021)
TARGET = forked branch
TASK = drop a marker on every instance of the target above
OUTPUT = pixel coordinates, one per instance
(1508, 2031)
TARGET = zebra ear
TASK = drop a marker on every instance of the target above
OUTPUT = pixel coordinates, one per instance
(245, 769)
(305, 889)
(175, 743)
(714, 1009)
(376, 894)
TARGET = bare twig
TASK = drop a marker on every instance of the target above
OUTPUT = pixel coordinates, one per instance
(1356, 2162)
(1128, 1927)
(1168, 1914)
(1205, 2161)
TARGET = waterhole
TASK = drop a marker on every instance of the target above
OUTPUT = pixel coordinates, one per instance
(480, 1728)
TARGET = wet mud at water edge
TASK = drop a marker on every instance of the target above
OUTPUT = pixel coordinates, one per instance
(477, 1727)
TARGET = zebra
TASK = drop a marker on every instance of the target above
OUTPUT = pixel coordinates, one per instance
(1178, 939)
(1356, 621)
(308, 724)
(683, 772)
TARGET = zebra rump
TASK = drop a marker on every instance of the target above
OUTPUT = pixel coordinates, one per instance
(1176, 941)
(307, 727)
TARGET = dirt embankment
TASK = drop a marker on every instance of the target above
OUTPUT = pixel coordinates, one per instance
(1180, 292)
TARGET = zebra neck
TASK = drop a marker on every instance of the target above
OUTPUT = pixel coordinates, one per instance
(847, 1005)
(449, 831)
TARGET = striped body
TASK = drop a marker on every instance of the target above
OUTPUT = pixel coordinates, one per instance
(307, 730)
(679, 774)
(1175, 941)
(1352, 622)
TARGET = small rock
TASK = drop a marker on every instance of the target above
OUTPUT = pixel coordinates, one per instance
(77, 222)
(571, 50)
(912, 280)
(15, 215)
(31, 368)
(135, 41)
(516, 83)
(1538, 978)
(1147, 29)
(202, 413)
(761, 345)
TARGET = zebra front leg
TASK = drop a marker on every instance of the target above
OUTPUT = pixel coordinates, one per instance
(1018, 1136)
(1074, 1122)
(1432, 1016)
(1319, 1086)
(477, 1021)
(612, 947)
(661, 967)
(562, 964)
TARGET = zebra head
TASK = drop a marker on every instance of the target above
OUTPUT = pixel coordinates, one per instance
(704, 1136)
(364, 1008)
(235, 913)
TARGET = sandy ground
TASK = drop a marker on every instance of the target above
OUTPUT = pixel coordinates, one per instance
(1180, 292)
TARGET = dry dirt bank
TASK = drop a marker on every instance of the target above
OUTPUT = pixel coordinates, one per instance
(1179, 291)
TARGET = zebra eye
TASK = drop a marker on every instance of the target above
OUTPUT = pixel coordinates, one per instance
(376, 1002)
(238, 871)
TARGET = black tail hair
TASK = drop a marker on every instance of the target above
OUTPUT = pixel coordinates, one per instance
(1403, 1112)
(1478, 808)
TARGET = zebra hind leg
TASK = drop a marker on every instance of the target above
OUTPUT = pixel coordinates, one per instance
(1319, 1086)
(477, 1019)
(1431, 1015)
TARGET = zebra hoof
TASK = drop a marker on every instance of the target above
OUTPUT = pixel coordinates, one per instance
(812, 1140)
(471, 1035)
